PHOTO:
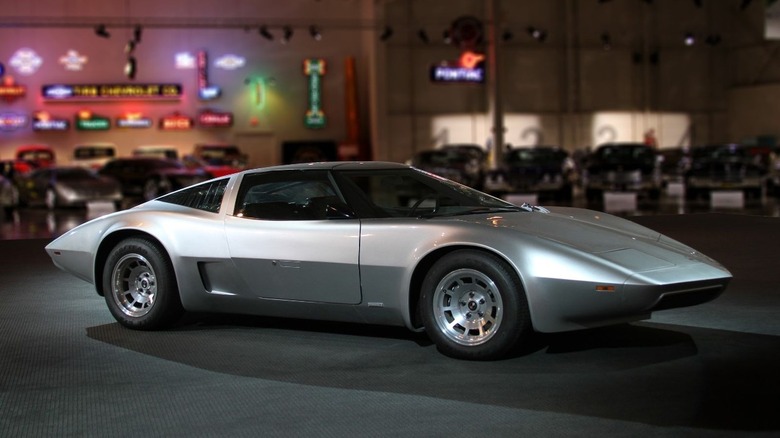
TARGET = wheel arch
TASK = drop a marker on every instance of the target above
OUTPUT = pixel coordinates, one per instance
(108, 243)
(425, 264)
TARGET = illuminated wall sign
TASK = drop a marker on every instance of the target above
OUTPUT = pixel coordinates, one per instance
(184, 61)
(314, 69)
(176, 122)
(205, 91)
(133, 120)
(43, 121)
(469, 68)
(214, 119)
(86, 121)
(62, 92)
(26, 61)
(12, 121)
(230, 62)
(10, 91)
(73, 61)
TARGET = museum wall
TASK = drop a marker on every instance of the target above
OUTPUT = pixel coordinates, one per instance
(646, 77)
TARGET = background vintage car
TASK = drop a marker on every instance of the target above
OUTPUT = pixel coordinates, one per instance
(622, 167)
(463, 163)
(93, 155)
(67, 186)
(149, 177)
(726, 167)
(545, 170)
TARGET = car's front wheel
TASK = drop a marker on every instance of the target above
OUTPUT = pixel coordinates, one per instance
(140, 287)
(474, 306)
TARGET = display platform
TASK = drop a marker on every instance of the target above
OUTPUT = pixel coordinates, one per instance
(67, 369)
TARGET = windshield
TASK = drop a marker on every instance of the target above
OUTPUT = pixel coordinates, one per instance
(415, 193)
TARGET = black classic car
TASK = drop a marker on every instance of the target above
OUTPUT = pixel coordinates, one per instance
(547, 171)
(463, 163)
(622, 167)
(726, 167)
(149, 177)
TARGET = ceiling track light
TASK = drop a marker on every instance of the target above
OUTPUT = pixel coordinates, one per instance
(130, 47)
(265, 33)
(288, 34)
(689, 39)
(606, 41)
(507, 35)
(137, 33)
(315, 33)
(101, 31)
(423, 36)
(386, 34)
(537, 34)
(130, 67)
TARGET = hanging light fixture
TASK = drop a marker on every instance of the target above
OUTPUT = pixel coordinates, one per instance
(315, 33)
(130, 67)
(137, 33)
(423, 35)
(288, 34)
(265, 33)
(101, 31)
(386, 34)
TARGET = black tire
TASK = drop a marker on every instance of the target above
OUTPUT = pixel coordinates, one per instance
(474, 306)
(140, 287)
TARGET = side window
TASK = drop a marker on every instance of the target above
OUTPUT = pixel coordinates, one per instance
(289, 195)
(206, 197)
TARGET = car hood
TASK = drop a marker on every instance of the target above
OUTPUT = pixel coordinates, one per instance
(611, 237)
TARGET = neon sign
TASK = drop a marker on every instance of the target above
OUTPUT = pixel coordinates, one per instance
(133, 120)
(12, 121)
(205, 91)
(214, 119)
(73, 61)
(63, 92)
(9, 90)
(176, 122)
(43, 121)
(26, 61)
(86, 121)
(314, 69)
(469, 68)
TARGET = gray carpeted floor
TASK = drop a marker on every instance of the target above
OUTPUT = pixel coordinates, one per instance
(67, 369)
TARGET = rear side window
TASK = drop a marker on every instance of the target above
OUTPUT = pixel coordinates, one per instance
(206, 197)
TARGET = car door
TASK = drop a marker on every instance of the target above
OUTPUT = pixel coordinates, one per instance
(290, 238)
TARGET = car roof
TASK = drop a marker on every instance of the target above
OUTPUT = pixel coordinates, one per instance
(331, 165)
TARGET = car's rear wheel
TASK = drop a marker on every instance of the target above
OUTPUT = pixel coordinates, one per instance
(140, 287)
(474, 306)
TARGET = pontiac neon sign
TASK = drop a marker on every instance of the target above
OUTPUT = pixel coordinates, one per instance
(469, 68)
(65, 92)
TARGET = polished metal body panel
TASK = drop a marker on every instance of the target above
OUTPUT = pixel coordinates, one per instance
(579, 268)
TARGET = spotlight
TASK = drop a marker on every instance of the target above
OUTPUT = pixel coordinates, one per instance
(386, 34)
(713, 40)
(266, 33)
(130, 67)
(507, 35)
(446, 37)
(130, 47)
(689, 39)
(606, 41)
(288, 34)
(100, 30)
(537, 34)
(315, 33)
(423, 35)
(137, 32)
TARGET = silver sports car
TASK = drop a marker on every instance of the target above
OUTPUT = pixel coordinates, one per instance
(381, 243)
